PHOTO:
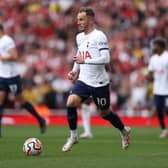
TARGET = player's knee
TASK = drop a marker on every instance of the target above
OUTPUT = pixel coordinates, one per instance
(20, 99)
(73, 101)
(71, 104)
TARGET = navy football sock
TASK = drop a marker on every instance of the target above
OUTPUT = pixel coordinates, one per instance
(114, 120)
(72, 118)
(31, 110)
(160, 115)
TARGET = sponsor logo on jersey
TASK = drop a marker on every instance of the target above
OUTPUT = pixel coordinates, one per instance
(85, 54)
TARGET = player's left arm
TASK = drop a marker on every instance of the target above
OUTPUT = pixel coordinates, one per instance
(103, 59)
(12, 55)
(10, 52)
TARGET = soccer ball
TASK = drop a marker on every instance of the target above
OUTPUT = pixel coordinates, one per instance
(32, 147)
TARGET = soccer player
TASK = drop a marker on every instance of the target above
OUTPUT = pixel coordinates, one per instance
(91, 58)
(10, 80)
(158, 71)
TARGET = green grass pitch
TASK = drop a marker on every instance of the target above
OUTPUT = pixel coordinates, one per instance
(102, 151)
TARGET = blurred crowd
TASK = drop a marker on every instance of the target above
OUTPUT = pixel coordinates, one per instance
(44, 31)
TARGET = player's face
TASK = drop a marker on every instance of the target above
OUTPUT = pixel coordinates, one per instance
(82, 21)
(156, 49)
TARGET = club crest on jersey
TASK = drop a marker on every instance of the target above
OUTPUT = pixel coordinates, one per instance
(85, 55)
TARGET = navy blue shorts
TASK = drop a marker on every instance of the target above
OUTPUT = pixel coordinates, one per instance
(161, 101)
(100, 95)
(12, 85)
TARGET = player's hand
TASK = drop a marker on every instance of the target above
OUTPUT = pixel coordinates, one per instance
(78, 60)
(71, 75)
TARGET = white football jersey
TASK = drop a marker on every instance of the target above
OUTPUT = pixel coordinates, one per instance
(89, 47)
(159, 66)
(7, 68)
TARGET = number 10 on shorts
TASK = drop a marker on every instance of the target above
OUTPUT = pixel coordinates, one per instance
(101, 101)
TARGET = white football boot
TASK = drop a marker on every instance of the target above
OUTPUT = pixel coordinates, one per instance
(125, 135)
(70, 142)
(164, 133)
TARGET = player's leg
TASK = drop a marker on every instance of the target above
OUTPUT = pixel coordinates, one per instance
(30, 108)
(15, 87)
(72, 102)
(2, 96)
(78, 92)
(101, 97)
(114, 119)
(86, 115)
(159, 102)
(3, 92)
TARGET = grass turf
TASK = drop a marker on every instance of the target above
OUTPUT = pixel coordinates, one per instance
(103, 151)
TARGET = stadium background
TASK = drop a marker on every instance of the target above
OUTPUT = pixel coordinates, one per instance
(44, 32)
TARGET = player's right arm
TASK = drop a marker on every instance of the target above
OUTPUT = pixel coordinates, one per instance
(150, 74)
(73, 74)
